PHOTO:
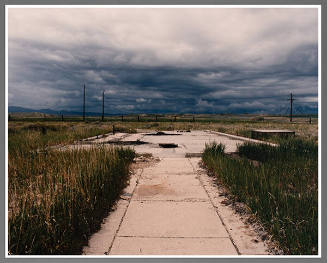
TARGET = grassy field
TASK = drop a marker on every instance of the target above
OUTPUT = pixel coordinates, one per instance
(233, 124)
(55, 196)
(282, 190)
(58, 198)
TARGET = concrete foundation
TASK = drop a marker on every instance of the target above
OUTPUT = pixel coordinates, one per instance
(172, 207)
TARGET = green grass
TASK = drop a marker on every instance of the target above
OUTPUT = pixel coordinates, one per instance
(294, 149)
(282, 191)
(58, 198)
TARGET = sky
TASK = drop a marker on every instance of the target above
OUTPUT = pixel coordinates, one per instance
(164, 60)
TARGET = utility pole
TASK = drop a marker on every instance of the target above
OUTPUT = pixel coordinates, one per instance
(103, 106)
(291, 99)
(84, 104)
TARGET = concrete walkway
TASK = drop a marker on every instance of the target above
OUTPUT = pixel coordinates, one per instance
(170, 213)
(170, 209)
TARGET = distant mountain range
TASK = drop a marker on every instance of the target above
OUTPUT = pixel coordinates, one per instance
(300, 110)
(14, 109)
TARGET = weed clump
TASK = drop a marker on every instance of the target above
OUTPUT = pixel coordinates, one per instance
(215, 149)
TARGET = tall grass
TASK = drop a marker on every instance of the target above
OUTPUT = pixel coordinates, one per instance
(282, 191)
(58, 198)
(292, 149)
(30, 136)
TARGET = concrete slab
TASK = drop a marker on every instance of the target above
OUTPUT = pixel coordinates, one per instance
(169, 166)
(133, 137)
(110, 137)
(193, 142)
(100, 242)
(188, 142)
(171, 219)
(170, 187)
(172, 246)
(195, 162)
(170, 208)
(157, 151)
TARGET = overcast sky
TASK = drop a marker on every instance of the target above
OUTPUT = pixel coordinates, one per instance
(209, 60)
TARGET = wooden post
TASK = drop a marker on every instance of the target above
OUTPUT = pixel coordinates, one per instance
(156, 118)
(62, 117)
(310, 121)
(113, 129)
(122, 118)
(193, 119)
(138, 117)
(175, 119)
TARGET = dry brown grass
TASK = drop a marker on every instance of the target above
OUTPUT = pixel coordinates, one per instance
(58, 198)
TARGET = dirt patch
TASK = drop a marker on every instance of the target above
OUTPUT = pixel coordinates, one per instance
(150, 190)
(145, 160)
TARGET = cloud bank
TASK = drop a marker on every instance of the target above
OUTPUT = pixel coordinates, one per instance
(183, 60)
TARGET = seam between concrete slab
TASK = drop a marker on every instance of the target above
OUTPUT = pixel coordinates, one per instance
(175, 201)
(122, 219)
(211, 202)
(173, 237)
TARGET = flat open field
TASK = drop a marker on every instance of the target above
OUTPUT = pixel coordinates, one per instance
(57, 199)
(232, 124)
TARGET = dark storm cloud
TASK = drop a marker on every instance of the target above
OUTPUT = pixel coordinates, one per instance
(151, 60)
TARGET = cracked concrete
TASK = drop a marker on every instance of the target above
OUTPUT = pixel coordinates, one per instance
(173, 207)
